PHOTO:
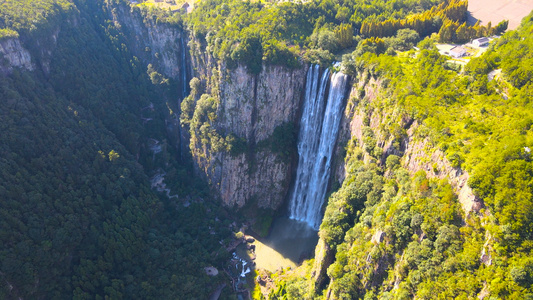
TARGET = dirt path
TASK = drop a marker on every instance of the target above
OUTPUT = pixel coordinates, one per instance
(158, 183)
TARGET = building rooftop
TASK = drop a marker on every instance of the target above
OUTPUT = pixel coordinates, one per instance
(458, 50)
(482, 40)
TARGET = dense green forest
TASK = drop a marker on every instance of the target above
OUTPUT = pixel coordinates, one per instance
(78, 217)
(253, 33)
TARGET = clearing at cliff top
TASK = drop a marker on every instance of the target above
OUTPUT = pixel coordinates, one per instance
(496, 11)
(168, 4)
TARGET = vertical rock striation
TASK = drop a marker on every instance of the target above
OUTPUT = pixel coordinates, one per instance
(250, 108)
(159, 44)
(163, 46)
(14, 55)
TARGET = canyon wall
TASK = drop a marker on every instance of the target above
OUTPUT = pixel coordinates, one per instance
(158, 43)
(162, 47)
(396, 134)
(250, 108)
(32, 52)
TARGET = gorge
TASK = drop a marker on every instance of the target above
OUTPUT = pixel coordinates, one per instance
(142, 146)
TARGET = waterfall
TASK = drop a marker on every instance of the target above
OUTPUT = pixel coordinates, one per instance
(182, 136)
(183, 70)
(318, 133)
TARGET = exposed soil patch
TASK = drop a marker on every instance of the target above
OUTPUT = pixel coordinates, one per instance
(496, 11)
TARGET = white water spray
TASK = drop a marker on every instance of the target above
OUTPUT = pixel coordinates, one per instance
(318, 133)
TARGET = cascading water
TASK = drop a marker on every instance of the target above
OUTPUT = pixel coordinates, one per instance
(183, 62)
(318, 133)
(182, 148)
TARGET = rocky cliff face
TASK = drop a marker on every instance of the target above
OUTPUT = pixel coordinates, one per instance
(14, 55)
(35, 50)
(251, 107)
(164, 47)
(324, 257)
(418, 156)
(161, 45)
(399, 139)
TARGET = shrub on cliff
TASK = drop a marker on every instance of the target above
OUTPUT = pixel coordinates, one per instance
(277, 53)
(282, 141)
(6, 33)
(250, 53)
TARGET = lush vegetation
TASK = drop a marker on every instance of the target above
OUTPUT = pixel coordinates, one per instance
(448, 19)
(254, 32)
(282, 141)
(8, 33)
(477, 141)
(30, 15)
(398, 235)
(79, 219)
